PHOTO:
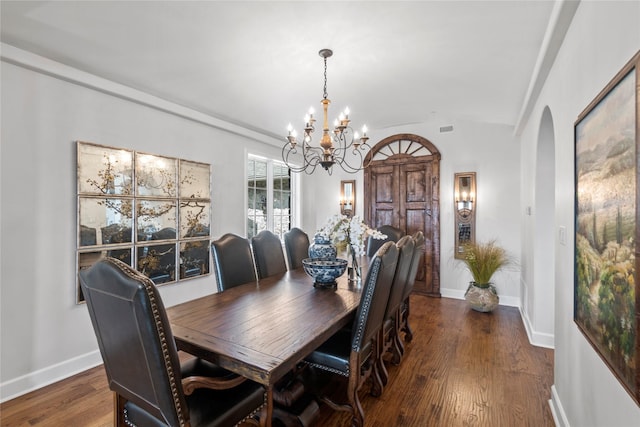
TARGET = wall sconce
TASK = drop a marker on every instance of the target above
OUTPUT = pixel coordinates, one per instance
(464, 188)
(348, 198)
(464, 202)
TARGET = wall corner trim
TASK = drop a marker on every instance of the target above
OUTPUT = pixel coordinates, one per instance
(559, 22)
(538, 339)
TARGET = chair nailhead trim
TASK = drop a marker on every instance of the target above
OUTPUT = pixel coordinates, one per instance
(126, 419)
(329, 369)
(258, 409)
(366, 303)
(149, 286)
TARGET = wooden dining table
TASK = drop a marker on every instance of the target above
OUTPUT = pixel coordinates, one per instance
(262, 330)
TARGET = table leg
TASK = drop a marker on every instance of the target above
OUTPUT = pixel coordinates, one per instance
(269, 415)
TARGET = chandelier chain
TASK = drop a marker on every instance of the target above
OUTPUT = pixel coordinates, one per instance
(325, 78)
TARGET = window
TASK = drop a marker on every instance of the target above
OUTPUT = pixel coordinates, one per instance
(269, 196)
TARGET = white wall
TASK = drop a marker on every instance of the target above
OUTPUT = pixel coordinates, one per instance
(603, 36)
(493, 153)
(45, 336)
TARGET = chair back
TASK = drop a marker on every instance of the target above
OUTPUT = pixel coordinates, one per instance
(232, 261)
(418, 239)
(393, 235)
(375, 295)
(405, 247)
(267, 252)
(296, 243)
(135, 339)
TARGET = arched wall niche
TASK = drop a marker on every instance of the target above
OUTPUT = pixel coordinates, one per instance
(540, 294)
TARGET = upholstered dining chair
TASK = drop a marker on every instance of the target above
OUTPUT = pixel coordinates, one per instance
(393, 235)
(389, 340)
(351, 352)
(267, 252)
(141, 359)
(296, 243)
(232, 261)
(418, 239)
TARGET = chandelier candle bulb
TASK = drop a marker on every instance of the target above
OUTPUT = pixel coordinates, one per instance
(344, 118)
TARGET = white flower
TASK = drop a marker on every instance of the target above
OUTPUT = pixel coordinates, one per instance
(340, 229)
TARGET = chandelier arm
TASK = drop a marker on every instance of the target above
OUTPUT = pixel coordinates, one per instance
(309, 161)
(345, 145)
(288, 162)
(347, 167)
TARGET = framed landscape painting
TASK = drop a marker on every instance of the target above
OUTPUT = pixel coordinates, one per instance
(606, 291)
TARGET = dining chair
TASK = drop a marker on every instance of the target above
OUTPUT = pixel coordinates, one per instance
(419, 243)
(393, 235)
(232, 261)
(351, 352)
(389, 340)
(296, 243)
(267, 252)
(141, 359)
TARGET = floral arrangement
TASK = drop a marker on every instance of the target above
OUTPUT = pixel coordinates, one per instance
(344, 231)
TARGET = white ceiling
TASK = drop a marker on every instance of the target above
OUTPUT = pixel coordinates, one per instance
(257, 63)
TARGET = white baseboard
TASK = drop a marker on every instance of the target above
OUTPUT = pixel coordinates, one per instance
(559, 417)
(49, 375)
(538, 339)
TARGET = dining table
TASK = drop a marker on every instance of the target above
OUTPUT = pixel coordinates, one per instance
(262, 330)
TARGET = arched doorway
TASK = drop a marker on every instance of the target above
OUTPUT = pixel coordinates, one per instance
(402, 188)
(540, 297)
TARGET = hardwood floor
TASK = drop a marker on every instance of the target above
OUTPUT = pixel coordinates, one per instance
(463, 368)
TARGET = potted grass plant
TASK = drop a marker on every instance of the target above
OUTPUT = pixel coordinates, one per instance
(483, 259)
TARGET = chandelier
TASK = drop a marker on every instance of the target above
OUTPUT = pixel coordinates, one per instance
(335, 146)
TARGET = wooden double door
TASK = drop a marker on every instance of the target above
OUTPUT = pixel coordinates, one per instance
(402, 189)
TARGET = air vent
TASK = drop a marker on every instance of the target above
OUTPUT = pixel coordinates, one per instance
(446, 129)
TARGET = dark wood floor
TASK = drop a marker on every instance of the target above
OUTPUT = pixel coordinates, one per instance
(463, 368)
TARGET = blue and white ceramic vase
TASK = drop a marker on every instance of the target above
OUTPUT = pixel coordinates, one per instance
(322, 248)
